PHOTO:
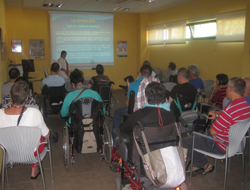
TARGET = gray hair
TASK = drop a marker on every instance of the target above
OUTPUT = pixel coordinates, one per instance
(238, 84)
(185, 73)
(194, 69)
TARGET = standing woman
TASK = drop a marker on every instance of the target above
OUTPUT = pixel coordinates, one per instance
(64, 66)
(30, 117)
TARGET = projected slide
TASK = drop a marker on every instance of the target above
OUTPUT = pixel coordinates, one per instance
(87, 38)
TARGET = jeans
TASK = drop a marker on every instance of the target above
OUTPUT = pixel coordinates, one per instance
(200, 143)
(117, 119)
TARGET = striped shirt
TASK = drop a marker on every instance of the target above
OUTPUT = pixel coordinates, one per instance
(219, 96)
(238, 110)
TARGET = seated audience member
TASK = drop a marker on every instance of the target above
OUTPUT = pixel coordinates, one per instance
(247, 90)
(155, 108)
(100, 79)
(77, 81)
(30, 102)
(53, 80)
(13, 74)
(148, 63)
(145, 71)
(194, 77)
(219, 91)
(238, 110)
(170, 71)
(140, 98)
(183, 90)
(31, 117)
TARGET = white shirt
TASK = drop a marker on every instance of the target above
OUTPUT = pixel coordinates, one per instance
(32, 117)
(62, 63)
(53, 81)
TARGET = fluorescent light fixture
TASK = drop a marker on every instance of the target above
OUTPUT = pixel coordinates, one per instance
(52, 5)
(121, 9)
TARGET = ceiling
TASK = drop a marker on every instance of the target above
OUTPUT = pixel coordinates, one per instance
(134, 6)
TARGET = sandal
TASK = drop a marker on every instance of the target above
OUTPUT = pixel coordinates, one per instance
(195, 171)
(209, 168)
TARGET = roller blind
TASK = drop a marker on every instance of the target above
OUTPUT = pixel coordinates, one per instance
(175, 32)
(231, 26)
(156, 34)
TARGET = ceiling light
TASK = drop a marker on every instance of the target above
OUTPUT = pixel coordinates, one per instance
(52, 5)
(121, 9)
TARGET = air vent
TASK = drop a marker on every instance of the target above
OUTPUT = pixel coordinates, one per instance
(52, 5)
(121, 9)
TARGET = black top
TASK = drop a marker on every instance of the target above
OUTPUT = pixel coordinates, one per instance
(186, 93)
(148, 117)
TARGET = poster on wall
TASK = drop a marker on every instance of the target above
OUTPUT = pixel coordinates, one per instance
(37, 49)
(16, 46)
(122, 49)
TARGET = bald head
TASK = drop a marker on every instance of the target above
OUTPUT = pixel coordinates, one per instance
(247, 90)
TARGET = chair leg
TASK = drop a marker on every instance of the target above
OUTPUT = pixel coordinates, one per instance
(3, 168)
(7, 177)
(41, 169)
(192, 157)
(215, 164)
(50, 160)
(226, 165)
(249, 146)
(243, 166)
(229, 164)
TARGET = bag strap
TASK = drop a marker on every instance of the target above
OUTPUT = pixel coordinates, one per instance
(177, 103)
(20, 116)
(78, 95)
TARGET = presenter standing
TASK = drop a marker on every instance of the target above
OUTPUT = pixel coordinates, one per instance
(64, 66)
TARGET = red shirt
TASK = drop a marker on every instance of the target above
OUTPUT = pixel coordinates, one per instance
(235, 112)
(219, 96)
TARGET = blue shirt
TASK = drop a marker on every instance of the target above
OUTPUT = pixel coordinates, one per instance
(198, 83)
(135, 86)
(53, 81)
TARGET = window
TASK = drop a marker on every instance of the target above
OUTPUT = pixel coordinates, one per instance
(156, 34)
(201, 30)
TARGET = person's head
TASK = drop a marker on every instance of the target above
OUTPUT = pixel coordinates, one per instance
(14, 73)
(19, 92)
(54, 67)
(222, 79)
(194, 70)
(76, 78)
(146, 62)
(22, 79)
(172, 66)
(183, 75)
(236, 88)
(247, 90)
(145, 71)
(99, 69)
(63, 54)
(155, 93)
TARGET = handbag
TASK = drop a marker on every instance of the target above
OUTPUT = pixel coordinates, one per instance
(164, 167)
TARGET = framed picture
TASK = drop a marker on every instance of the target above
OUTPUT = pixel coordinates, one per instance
(37, 49)
(16, 46)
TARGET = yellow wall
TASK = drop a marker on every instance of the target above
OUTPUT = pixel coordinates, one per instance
(26, 24)
(212, 57)
(3, 64)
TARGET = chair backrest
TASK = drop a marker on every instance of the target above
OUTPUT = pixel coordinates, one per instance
(169, 85)
(104, 91)
(131, 102)
(208, 86)
(236, 134)
(158, 73)
(225, 102)
(20, 143)
(56, 97)
(46, 73)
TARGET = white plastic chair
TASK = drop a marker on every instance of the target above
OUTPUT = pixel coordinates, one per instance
(158, 73)
(19, 144)
(169, 85)
(208, 86)
(236, 134)
(225, 102)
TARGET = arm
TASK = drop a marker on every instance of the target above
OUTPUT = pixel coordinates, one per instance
(127, 101)
(170, 100)
(214, 114)
(47, 136)
(213, 132)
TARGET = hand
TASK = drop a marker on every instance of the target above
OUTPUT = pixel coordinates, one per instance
(213, 114)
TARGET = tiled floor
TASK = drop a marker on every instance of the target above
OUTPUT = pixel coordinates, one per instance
(90, 173)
